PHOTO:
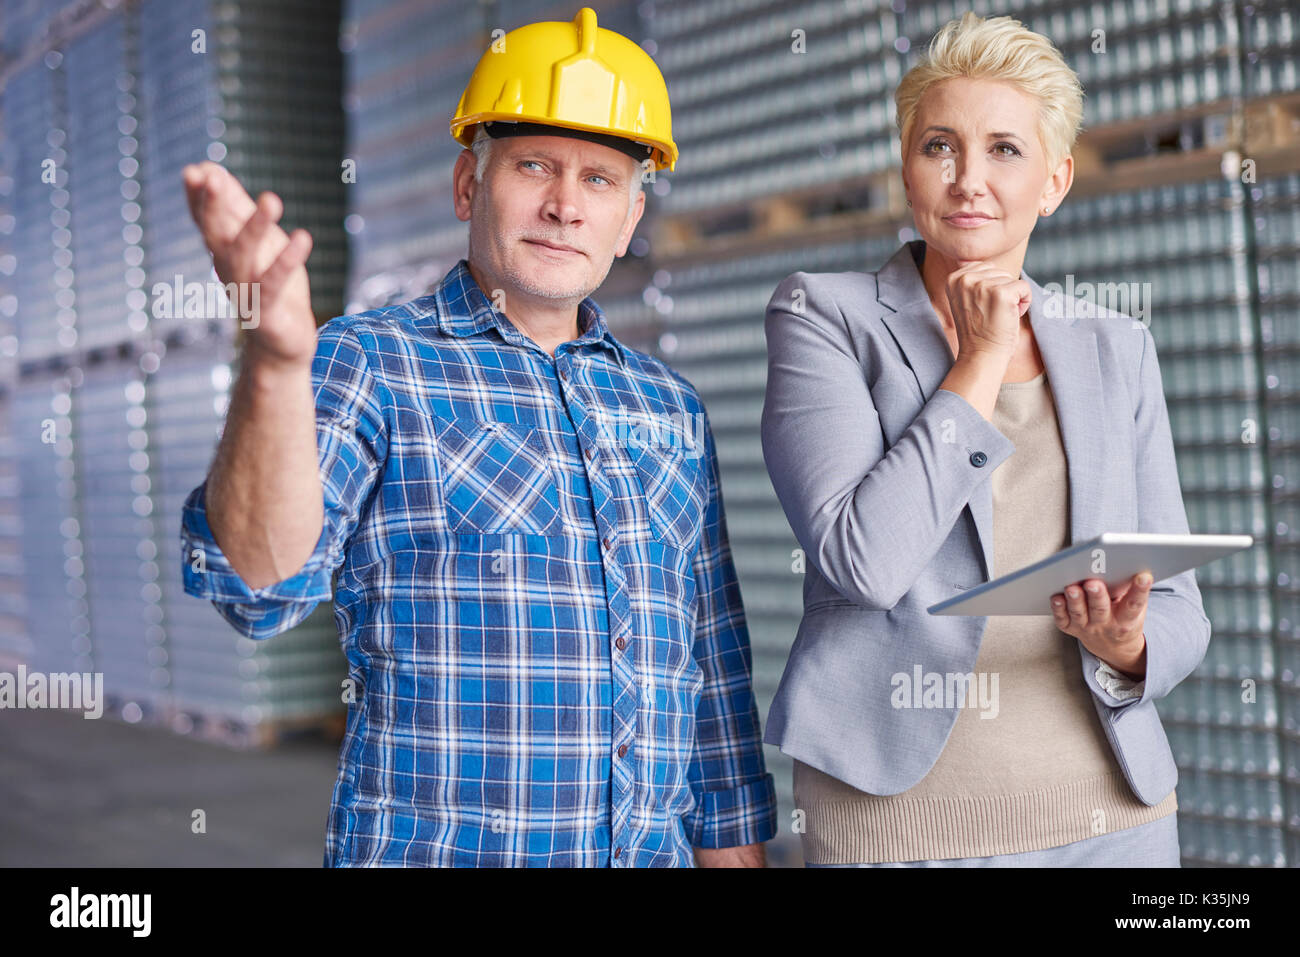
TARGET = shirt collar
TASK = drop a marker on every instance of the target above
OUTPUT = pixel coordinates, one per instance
(464, 310)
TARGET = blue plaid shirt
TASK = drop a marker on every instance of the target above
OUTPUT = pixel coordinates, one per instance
(534, 592)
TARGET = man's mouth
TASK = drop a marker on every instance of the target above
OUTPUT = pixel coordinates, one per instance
(556, 247)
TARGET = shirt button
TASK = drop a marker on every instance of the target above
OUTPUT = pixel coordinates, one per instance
(590, 453)
(564, 375)
(978, 459)
(622, 750)
(605, 542)
(621, 643)
(618, 851)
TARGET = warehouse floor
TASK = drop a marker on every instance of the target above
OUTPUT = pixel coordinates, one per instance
(78, 793)
(102, 793)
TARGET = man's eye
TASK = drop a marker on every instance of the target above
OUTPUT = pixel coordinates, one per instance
(601, 178)
(530, 163)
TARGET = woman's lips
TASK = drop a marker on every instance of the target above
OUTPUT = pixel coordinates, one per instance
(967, 221)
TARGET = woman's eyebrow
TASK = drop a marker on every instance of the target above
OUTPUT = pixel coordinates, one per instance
(1000, 134)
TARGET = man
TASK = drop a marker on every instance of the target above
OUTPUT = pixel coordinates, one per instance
(535, 590)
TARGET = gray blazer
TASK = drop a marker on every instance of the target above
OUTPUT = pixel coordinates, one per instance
(884, 478)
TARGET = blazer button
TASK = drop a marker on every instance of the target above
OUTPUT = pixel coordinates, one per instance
(978, 459)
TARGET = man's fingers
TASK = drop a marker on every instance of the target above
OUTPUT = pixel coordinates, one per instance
(272, 205)
(229, 189)
(219, 204)
(193, 177)
(260, 240)
(294, 255)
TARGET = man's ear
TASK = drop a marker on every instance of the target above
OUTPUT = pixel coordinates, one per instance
(625, 237)
(463, 184)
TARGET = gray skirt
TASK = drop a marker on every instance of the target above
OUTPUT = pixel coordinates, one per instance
(1154, 844)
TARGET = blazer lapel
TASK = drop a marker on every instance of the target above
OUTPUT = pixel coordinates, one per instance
(1069, 351)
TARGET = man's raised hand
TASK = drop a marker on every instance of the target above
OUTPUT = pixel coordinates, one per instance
(249, 246)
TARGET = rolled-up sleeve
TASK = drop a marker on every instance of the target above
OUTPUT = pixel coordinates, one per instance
(735, 796)
(351, 440)
(1176, 626)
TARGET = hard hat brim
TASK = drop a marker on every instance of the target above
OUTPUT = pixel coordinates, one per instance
(663, 154)
(502, 129)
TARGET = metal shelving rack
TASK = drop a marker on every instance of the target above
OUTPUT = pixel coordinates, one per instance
(118, 97)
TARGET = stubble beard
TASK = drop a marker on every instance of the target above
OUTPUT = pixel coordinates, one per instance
(507, 243)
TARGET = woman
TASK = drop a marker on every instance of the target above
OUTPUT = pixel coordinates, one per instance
(944, 421)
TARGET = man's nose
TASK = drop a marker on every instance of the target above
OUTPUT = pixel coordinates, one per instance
(563, 202)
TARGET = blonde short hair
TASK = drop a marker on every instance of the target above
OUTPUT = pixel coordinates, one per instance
(1000, 48)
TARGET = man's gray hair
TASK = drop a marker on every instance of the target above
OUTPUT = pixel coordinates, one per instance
(482, 147)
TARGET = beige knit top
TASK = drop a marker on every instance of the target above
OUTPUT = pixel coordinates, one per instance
(1038, 772)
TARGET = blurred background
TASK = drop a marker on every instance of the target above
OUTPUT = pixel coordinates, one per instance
(1187, 178)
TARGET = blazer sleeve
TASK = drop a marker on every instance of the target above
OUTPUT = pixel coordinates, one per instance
(1177, 628)
(871, 518)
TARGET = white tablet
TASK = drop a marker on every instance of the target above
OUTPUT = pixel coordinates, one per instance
(1114, 557)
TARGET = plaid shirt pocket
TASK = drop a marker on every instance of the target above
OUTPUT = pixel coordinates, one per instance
(675, 492)
(496, 478)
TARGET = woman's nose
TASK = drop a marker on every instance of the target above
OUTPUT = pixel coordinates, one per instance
(968, 176)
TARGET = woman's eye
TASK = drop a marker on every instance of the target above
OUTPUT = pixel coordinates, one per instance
(929, 147)
(1014, 151)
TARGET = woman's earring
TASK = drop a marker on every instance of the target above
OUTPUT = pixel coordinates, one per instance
(909, 202)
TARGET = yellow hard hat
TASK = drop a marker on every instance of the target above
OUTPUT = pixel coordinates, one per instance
(572, 75)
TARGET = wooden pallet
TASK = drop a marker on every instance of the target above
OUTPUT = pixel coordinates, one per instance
(1132, 154)
(874, 201)
(1143, 152)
